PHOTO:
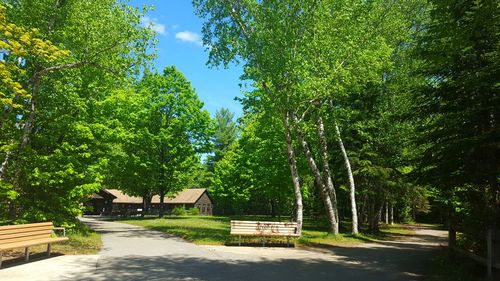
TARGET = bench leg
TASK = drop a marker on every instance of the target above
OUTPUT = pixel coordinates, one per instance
(288, 241)
(1, 259)
(26, 254)
(49, 249)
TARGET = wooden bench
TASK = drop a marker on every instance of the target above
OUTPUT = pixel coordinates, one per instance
(27, 235)
(264, 229)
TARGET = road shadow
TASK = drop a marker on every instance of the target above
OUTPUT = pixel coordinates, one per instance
(384, 260)
(198, 268)
(18, 260)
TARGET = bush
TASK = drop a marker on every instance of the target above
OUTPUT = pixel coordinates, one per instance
(179, 211)
(193, 211)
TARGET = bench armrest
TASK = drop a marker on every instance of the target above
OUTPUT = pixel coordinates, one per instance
(61, 228)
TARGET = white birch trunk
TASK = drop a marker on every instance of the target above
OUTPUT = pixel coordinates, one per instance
(295, 174)
(318, 180)
(327, 176)
(351, 183)
(27, 129)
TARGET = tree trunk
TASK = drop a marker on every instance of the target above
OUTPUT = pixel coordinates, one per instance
(327, 177)
(351, 183)
(27, 129)
(5, 165)
(386, 212)
(161, 211)
(318, 180)
(392, 214)
(364, 209)
(143, 206)
(369, 215)
(452, 230)
(5, 114)
(272, 207)
(374, 218)
(146, 204)
(161, 181)
(294, 172)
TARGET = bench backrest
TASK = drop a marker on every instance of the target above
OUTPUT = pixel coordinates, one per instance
(25, 232)
(264, 228)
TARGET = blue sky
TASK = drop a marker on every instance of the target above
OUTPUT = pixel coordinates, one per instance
(179, 43)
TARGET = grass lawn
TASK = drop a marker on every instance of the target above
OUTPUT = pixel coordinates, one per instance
(82, 242)
(215, 231)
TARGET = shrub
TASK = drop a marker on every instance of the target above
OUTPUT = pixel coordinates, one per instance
(193, 211)
(179, 211)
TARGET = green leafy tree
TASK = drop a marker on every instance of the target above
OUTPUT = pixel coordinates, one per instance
(301, 57)
(226, 132)
(55, 156)
(181, 129)
(458, 110)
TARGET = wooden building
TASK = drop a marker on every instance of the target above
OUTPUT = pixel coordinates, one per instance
(188, 198)
(100, 203)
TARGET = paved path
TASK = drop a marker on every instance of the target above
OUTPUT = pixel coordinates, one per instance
(134, 253)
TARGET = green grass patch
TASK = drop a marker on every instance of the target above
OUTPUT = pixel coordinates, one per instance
(81, 242)
(200, 230)
(215, 231)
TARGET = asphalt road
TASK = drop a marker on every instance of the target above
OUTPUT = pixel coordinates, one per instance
(134, 253)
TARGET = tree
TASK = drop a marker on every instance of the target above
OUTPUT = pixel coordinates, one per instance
(55, 156)
(17, 44)
(302, 56)
(252, 177)
(458, 112)
(131, 145)
(225, 134)
(181, 129)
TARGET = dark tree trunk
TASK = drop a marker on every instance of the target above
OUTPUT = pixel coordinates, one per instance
(452, 230)
(374, 216)
(161, 212)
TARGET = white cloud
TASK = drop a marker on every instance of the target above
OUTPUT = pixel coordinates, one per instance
(188, 36)
(154, 25)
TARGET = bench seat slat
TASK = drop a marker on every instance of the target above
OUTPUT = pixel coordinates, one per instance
(264, 228)
(267, 234)
(263, 222)
(28, 225)
(46, 232)
(24, 238)
(23, 230)
(264, 233)
(22, 244)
